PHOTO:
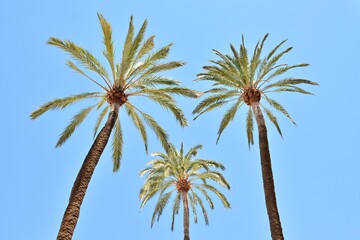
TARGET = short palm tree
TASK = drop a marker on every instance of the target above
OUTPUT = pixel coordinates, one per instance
(137, 75)
(182, 175)
(240, 80)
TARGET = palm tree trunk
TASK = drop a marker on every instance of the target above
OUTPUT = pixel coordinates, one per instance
(268, 180)
(186, 216)
(83, 178)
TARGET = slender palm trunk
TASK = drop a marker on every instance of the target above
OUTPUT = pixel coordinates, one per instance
(268, 180)
(186, 216)
(83, 178)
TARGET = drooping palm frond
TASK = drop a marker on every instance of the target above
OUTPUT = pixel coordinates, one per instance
(233, 75)
(75, 122)
(174, 166)
(117, 145)
(61, 103)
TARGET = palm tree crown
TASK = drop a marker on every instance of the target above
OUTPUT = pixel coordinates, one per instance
(242, 79)
(185, 176)
(135, 76)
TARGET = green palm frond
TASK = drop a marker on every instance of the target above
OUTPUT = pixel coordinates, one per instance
(162, 202)
(138, 123)
(256, 58)
(273, 119)
(219, 194)
(193, 206)
(82, 55)
(109, 51)
(169, 103)
(165, 172)
(175, 210)
(269, 63)
(212, 101)
(288, 82)
(61, 103)
(155, 68)
(156, 128)
(250, 127)
(153, 81)
(125, 63)
(228, 117)
(100, 119)
(147, 46)
(206, 195)
(279, 107)
(206, 218)
(117, 145)
(72, 65)
(144, 68)
(75, 122)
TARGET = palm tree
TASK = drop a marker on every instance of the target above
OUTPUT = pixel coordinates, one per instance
(239, 79)
(135, 76)
(175, 171)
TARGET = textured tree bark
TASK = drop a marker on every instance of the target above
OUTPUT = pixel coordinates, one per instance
(83, 178)
(268, 180)
(186, 216)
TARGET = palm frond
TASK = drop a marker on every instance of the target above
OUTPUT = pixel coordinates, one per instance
(157, 129)
(152, 81)
(289, 82)
(61, 103)
(228, 117)
(269, 64)
(126, 51)
(161, 204)
(131, 60)
(155, 68)
(219, 194)
(281, 70)
(250, 127)
(73, 66)
(109, 51)
(138, 123)
(244, 63)
(206, 195)
(193, 206)
(117, 145)
(147, 46)
(198, 199)
(99, 119)
(169, 103)
(175, 210)
(273, 119)
(279, 107)
(82, 55)
(214, 99)
(255, 60)
(75, 122)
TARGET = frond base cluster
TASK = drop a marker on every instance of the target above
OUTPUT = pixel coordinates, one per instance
(183, 185)
(251, 94)
(116, 95)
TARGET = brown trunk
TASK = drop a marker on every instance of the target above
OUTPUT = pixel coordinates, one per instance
(268, 180)
(186, 216)
(83, 178)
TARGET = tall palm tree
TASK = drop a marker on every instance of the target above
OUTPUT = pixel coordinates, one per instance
(137, 75)
(186, 175)
(242, 80)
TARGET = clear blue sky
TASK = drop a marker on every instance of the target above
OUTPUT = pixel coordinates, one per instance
(316, 165)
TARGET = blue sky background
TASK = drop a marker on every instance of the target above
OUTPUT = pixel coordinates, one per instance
(316, 165)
